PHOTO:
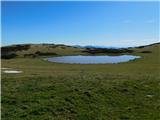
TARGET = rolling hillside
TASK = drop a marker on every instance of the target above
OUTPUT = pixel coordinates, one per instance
(35, 50)
(46, 90)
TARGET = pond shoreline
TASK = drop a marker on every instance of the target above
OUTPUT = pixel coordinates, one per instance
(86, 59)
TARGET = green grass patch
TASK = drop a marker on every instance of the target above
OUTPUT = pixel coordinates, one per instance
(47, 91)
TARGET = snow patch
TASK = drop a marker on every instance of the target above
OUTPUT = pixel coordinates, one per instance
(12, 71)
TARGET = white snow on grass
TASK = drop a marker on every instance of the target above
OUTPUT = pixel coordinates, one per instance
(12, 71)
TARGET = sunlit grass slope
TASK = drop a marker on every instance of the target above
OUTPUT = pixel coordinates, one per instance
(52, 91)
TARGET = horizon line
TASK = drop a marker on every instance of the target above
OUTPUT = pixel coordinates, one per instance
(104, 46)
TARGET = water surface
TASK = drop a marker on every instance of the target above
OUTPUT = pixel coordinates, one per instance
(92, 59)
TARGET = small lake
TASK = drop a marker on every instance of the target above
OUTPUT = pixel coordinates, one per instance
(92, 59)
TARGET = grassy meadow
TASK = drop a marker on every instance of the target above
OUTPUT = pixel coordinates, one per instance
(56, 91)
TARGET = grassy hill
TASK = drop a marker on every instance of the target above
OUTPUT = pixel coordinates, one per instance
(36, 50)
(46, 90)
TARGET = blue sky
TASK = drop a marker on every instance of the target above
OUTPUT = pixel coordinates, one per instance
(117, 24)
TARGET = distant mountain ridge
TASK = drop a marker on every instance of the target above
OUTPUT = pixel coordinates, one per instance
(95, 46)
(110, 47)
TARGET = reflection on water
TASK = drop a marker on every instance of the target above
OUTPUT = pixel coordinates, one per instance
(92, 59)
